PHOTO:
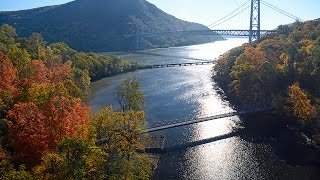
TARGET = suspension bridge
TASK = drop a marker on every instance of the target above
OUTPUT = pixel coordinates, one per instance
(254, 32)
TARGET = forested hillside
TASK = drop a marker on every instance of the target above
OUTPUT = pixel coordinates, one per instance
(99, 25)
(283, 69)
(47, 132)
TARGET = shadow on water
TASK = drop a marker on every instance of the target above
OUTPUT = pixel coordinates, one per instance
(269, 129)
(198, 143)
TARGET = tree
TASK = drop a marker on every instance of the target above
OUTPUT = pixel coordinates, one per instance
(244, 82)
(129, 95)
(73, 160)
(302, 107)
(7, 74)
(119, 135)
(19, 57)
(58, 72)
(284, 30)
(66, 118)
(7, 171)
(36, 46)
(8, 85)
(267, 76)
(8, 37)
(35, 72)
(74, 151)
(81, 79)
(53, 166)
(29, 131)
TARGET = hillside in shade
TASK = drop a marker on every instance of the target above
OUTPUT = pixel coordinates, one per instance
(100, 25)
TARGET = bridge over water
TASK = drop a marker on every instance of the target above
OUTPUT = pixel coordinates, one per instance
(175, 64)
(254, 32)
(199, 120)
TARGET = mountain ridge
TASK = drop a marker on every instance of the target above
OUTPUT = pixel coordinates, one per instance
(98, 25)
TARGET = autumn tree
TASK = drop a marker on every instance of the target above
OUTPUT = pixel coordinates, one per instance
(8, 88)
(119, 135)
(7, 74)
(73, 160)
(29, 131)
(35, 72)
(66, 118)
(302, 107)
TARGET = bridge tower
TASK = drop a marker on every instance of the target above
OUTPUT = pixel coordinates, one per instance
(254, 33)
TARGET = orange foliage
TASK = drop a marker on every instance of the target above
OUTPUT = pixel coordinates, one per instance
(7, 74)
(66, 118)
(29, 132)
(40, 125)
(36, 131)
(58, 72)
(302, 107)
(252, 55)
(35, 72)
(38, 72)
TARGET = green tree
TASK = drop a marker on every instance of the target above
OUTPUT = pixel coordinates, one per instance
(129, 96)
(267, 76)
(19, 57)
(36, 46)
(119, 135)
(74, 151)
(8, 37)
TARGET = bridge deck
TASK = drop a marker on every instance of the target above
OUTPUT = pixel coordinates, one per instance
(194, 121)
(174, 65)
(223, 32)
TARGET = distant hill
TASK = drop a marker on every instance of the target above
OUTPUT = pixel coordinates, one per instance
(99, 25)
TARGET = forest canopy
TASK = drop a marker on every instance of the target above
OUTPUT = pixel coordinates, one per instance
(282, 70)
(46, 131)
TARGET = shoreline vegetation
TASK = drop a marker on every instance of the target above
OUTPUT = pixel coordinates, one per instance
(281, 71)
(47, 132)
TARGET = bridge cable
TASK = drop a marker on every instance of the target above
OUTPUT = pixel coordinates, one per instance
(281, 11)
(231, 17)
(229, 14)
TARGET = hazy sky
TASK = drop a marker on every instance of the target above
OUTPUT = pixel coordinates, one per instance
(207, 11)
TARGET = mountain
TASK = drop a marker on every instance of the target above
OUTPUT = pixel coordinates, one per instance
(100, 25)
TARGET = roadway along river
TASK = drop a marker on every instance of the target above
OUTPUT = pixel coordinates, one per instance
(179, 93)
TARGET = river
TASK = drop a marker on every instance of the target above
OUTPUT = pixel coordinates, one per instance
(179, 93)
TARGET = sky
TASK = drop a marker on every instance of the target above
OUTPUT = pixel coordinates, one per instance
(207, 11)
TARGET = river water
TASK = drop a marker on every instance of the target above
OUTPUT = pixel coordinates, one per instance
(187, 92)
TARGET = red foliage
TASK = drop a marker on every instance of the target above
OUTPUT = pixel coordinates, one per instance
(66, 117)
(38, 72)
(29, 131)
(7, 74)
(58, 72)
(35, 72)
(36, 131)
